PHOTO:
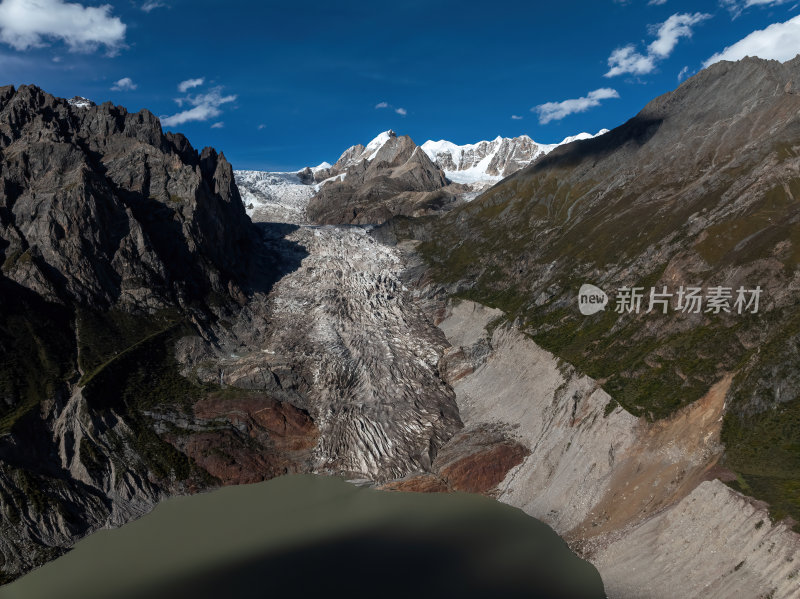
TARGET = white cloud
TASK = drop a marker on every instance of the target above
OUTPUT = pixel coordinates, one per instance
(738, 6)
(152, 5)
(683, 74)
(218, 125)
(185, 86)
(516, 117)
(656, 2)
(555, 111)
(779, 41)
(123, 85)
(33, 23)
(204, 107)
(398, 109)
(261, 126)
(670, 31)
(628, 60)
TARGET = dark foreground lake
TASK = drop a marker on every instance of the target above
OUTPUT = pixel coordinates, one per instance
(308, 536)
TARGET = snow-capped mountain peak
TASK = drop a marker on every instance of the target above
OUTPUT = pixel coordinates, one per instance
(580, 136)
(376, 144)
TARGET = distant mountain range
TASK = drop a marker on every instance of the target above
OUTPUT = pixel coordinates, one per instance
(490, 161)
(354, 183)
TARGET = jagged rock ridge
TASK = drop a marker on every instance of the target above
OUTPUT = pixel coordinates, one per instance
(100, 207)
(117, 241)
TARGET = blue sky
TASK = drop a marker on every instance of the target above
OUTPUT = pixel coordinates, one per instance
(279, 87)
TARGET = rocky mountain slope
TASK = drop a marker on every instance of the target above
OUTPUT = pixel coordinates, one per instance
(640, 500)
(391, 176)
(116, 238)
(99, 207)
(700, 189)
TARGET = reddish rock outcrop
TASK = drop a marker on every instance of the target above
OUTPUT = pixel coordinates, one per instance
(481, 472)
(474, 461)
(259, 438)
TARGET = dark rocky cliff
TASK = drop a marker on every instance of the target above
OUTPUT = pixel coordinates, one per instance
(118, 240)
(98, 206)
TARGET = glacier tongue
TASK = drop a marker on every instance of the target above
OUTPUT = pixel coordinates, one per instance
(346, 318)
(274, 197)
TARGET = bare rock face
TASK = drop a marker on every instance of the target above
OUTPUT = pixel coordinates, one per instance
(118, 241)
(630, 496)
(391, 176)
(512, 155)
(100, 207)
(288, 432)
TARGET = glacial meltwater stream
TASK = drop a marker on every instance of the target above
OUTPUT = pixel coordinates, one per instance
(314, 536)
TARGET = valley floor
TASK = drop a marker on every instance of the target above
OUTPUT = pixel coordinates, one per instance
(639, 500)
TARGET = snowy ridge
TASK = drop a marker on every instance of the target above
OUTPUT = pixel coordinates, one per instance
(376, 144)
(487, 162)
(580, 136)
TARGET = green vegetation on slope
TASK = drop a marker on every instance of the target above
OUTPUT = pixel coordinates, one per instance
(144, 376)
(764, 451)
(516, 248)
(38, 351)
(511, 236)
(102, 335)
(761, 430)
